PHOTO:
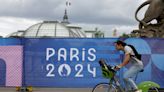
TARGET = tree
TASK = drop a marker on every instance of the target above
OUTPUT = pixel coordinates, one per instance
(124, 35)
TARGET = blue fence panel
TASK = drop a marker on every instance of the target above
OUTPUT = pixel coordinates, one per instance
(11, 58)
(157, 57)
(67, 62)
(74, 62)
(10, 41)
(152, 51)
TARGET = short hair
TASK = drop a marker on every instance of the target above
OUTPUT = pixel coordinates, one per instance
(120, 42)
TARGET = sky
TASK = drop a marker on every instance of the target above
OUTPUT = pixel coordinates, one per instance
(106, 15)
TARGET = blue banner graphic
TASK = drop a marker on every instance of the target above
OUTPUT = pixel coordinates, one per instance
(152, 51)
(74, 62)
(11, 61)
(10, 41)
(67, 62)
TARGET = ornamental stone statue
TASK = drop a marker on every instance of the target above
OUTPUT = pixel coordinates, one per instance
(155, 12)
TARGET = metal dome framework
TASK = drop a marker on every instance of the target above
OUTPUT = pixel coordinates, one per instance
(53, 29)
(17, 34)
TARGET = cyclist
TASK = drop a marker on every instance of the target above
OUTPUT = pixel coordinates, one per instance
(136, 66)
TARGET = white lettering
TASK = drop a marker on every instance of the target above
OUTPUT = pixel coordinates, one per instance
(91, 52)
(93, 71)
(83, 54)
(62, 53)
(74, 52)
(49, 53)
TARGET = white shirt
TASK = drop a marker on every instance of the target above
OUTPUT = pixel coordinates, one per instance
(133, 60)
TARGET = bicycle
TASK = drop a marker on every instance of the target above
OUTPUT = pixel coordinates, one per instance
(114, 84)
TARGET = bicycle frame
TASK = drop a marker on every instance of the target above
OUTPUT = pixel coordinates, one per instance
(115, 81)
(110, 73)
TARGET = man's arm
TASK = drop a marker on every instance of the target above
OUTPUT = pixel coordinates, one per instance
(125, 61)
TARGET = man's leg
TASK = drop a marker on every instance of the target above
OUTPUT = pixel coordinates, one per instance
(127, 86)
(128, 75)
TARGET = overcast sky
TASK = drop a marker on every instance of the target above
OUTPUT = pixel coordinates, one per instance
(106, 15)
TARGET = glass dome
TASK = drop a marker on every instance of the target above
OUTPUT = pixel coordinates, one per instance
(17, 34)
(53, 29)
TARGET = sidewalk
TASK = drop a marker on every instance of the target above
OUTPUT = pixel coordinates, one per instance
(8, 89)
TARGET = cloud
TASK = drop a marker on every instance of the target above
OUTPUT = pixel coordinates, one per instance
(10, 24)
(83, 11)
(104, 12)
(108, 14)
(33, 9)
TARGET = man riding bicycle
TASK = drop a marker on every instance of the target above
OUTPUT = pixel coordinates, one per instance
(136, 65)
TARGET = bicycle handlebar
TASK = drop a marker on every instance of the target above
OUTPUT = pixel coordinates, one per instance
(105, 66)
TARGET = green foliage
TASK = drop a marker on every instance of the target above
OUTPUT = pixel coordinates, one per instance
(124, 35)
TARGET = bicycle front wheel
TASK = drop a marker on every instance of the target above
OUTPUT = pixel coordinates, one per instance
(104, 87)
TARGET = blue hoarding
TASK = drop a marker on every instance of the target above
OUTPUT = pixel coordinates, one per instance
(73, 62)
(67, 62)
(11, 60)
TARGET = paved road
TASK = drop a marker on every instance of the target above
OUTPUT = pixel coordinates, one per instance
(50, 89)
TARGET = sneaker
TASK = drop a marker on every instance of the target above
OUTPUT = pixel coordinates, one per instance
(138, 90)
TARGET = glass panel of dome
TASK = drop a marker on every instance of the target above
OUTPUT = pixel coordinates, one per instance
(31, 32)
(78, 32)
(19, 33)
(14, 34)
(62, 31)
(72, 34)
(82, 34)
(47, 30)
(75, 33)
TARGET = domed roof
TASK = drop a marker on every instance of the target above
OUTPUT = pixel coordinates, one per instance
(17, 34)
(53, 29)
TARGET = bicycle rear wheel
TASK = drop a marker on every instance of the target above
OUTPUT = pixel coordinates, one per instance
(104, 87)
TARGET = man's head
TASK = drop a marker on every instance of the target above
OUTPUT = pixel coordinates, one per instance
(120, 45)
